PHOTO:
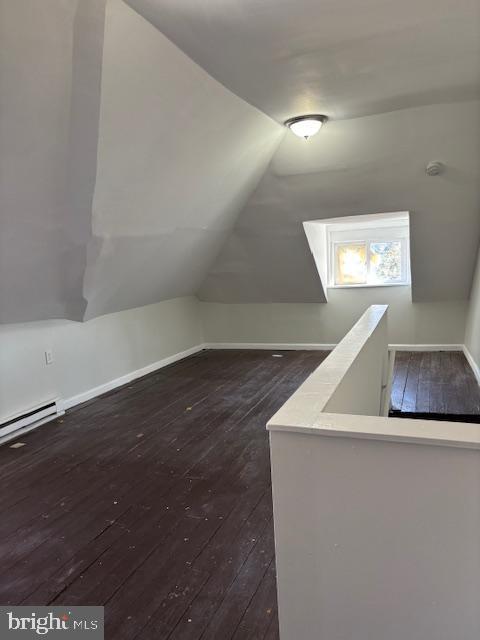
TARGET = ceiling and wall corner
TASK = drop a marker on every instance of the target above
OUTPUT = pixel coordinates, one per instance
(401, 84)
(178, 156)
(361, 166)
(130, 175)
(123, 163)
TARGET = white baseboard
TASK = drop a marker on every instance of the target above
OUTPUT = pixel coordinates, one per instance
(425, 347)
(471, 361)
(316, 346)
(271, 346)
(67, 403)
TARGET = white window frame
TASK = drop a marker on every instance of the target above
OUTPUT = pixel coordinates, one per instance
(367, 235)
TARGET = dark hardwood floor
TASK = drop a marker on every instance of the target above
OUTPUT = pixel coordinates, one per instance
(435, 384)
(154, 500)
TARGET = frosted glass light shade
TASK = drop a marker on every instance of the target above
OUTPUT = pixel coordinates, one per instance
(306, 126)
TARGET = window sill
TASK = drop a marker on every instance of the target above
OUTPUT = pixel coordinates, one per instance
(369, 286)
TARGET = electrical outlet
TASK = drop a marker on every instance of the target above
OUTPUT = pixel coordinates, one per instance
(49, 356)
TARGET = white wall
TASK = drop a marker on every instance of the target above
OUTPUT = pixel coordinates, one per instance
(89, 354)
(123, 164)
(178, 156)
(408, 323)
(385, 542)
(351, 379)
(360, 166)
(377, 519)
(472, 333)
(93, 353)
(50, 65)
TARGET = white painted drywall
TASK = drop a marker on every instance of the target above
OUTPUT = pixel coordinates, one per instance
(472, 333)
(317, 238)
(344, 59)
(50, 64)
(89, 354)
(107, 128)
(376, 539)
(408, 323)
(360, 388)
(178, 156)
(377, 520)
(349, 380)
(361, 166)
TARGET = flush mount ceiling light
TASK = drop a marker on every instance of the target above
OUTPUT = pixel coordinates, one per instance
(306, 126)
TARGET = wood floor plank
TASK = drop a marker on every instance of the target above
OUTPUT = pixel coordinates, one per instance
(411, 386)
(117, 410)
(261, 610)
(102, 580)
(440, 383)
(224, 558)
(402, 359)
(103, 445)
(273, 632)
(424, 383)
(29, 568)
(228, 616)
(158, 577)
(153, 504)
(182, 591)
(154, 500)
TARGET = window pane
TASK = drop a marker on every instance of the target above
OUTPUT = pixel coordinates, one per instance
(351, 263)
(385, 262)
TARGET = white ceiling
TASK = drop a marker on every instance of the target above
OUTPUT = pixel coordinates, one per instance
(178, 157)
(123, 164)
(365, 165)
(344, 58)
(129, 175)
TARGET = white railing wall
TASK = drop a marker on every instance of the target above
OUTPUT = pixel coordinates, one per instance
(377, 520)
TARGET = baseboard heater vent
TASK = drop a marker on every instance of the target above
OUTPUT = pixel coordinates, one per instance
(13, 427)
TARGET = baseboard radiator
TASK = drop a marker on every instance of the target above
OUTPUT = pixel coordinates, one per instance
(13, 427)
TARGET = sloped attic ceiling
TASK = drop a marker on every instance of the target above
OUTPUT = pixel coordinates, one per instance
(365, 165)
(178, 157)
(344, 58)
(399, 82)
(123, 163)
(50, 70)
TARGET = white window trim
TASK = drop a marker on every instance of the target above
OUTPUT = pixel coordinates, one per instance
(368, 235)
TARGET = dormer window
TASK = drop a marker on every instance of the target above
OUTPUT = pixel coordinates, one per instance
(368, 257)
(362, 251)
